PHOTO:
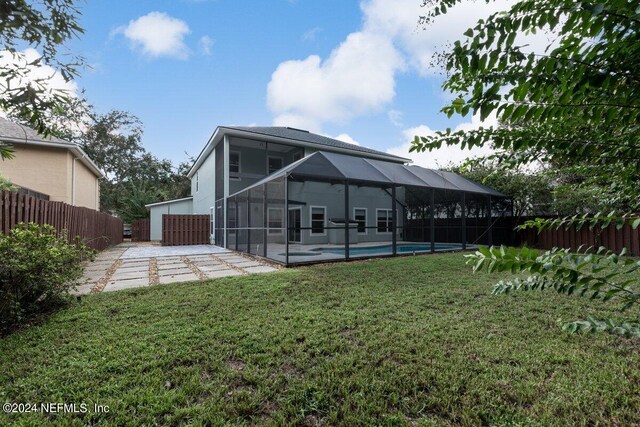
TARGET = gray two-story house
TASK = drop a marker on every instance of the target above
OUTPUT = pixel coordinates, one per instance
(294, 196)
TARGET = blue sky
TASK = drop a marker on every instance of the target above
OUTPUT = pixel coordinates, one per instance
(348, 69)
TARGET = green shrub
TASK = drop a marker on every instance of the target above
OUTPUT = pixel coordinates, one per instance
(6, 185)
(37, 269)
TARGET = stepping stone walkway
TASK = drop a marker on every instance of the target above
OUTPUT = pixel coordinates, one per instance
(113, 272)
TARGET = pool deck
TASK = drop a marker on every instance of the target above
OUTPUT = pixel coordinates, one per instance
(277, 251)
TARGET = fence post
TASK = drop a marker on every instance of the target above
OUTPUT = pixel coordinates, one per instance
(394, 221)
(490, 230)
(432, 221)
(346, 220)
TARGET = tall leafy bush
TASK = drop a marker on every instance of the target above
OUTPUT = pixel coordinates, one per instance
(37, 269)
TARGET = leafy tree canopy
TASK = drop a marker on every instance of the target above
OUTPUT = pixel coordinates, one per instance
(45, 25)
(576, 104)
(135, 177)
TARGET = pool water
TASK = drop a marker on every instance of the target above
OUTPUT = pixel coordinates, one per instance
(388, 249)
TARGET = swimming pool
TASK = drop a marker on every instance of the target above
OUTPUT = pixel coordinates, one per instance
(402, 248)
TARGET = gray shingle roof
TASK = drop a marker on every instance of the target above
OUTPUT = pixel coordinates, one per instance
(306, 136)
(14, 133)
(9, 129)
(329, 166)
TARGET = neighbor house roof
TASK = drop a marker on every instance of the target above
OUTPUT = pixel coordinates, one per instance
(14, 133)
(292, 136)
(324, 166)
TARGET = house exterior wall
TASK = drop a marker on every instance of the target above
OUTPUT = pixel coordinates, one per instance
(49, 170)
(253, 160)
(331, 196)
(156, 212)
(203, 184)
(87, 187)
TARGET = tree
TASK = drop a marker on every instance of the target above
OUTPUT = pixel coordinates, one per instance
(532, 192)
(576, 104)
(45, 25)
(135, 177)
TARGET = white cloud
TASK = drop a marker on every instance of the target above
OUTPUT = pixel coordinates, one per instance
(206, 43)
(398, 20)
(358, 77)
(158, 34)
(347, 138)
(395, 117)
(310, 35)
(297, 121)
(51, 80)
(446, 154)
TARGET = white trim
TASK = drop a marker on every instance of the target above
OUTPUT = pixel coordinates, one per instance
(324, 226)
(237, 177)
(295, 208)
(383, 209)
(274, 156)
(276, 231)
(366, 218)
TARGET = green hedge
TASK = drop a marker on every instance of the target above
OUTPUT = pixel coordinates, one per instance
(37, 269)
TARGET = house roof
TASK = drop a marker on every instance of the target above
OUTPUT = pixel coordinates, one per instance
(14, 133)
(332, 166)
(295, 136)
(306, 136)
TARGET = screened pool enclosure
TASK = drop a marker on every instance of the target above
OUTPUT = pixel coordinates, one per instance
(331, 207)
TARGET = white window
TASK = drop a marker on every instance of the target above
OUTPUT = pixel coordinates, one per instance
(384, 219)
(234, 165)
(360, 216)
(273, 164)
(318, 214)
(197, 181)
(275, 220)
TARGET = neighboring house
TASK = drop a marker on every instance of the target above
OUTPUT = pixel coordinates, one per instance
(252, 181)
(57, 168)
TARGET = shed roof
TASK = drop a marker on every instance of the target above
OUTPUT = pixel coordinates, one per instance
(325, 166)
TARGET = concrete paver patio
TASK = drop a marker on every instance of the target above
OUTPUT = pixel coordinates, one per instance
(133, 265)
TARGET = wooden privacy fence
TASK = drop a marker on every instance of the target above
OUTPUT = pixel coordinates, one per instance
(97, 230)
(141, 230)
(185, 230)
(609, 237)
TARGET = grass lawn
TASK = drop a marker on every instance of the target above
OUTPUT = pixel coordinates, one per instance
(403, 341)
